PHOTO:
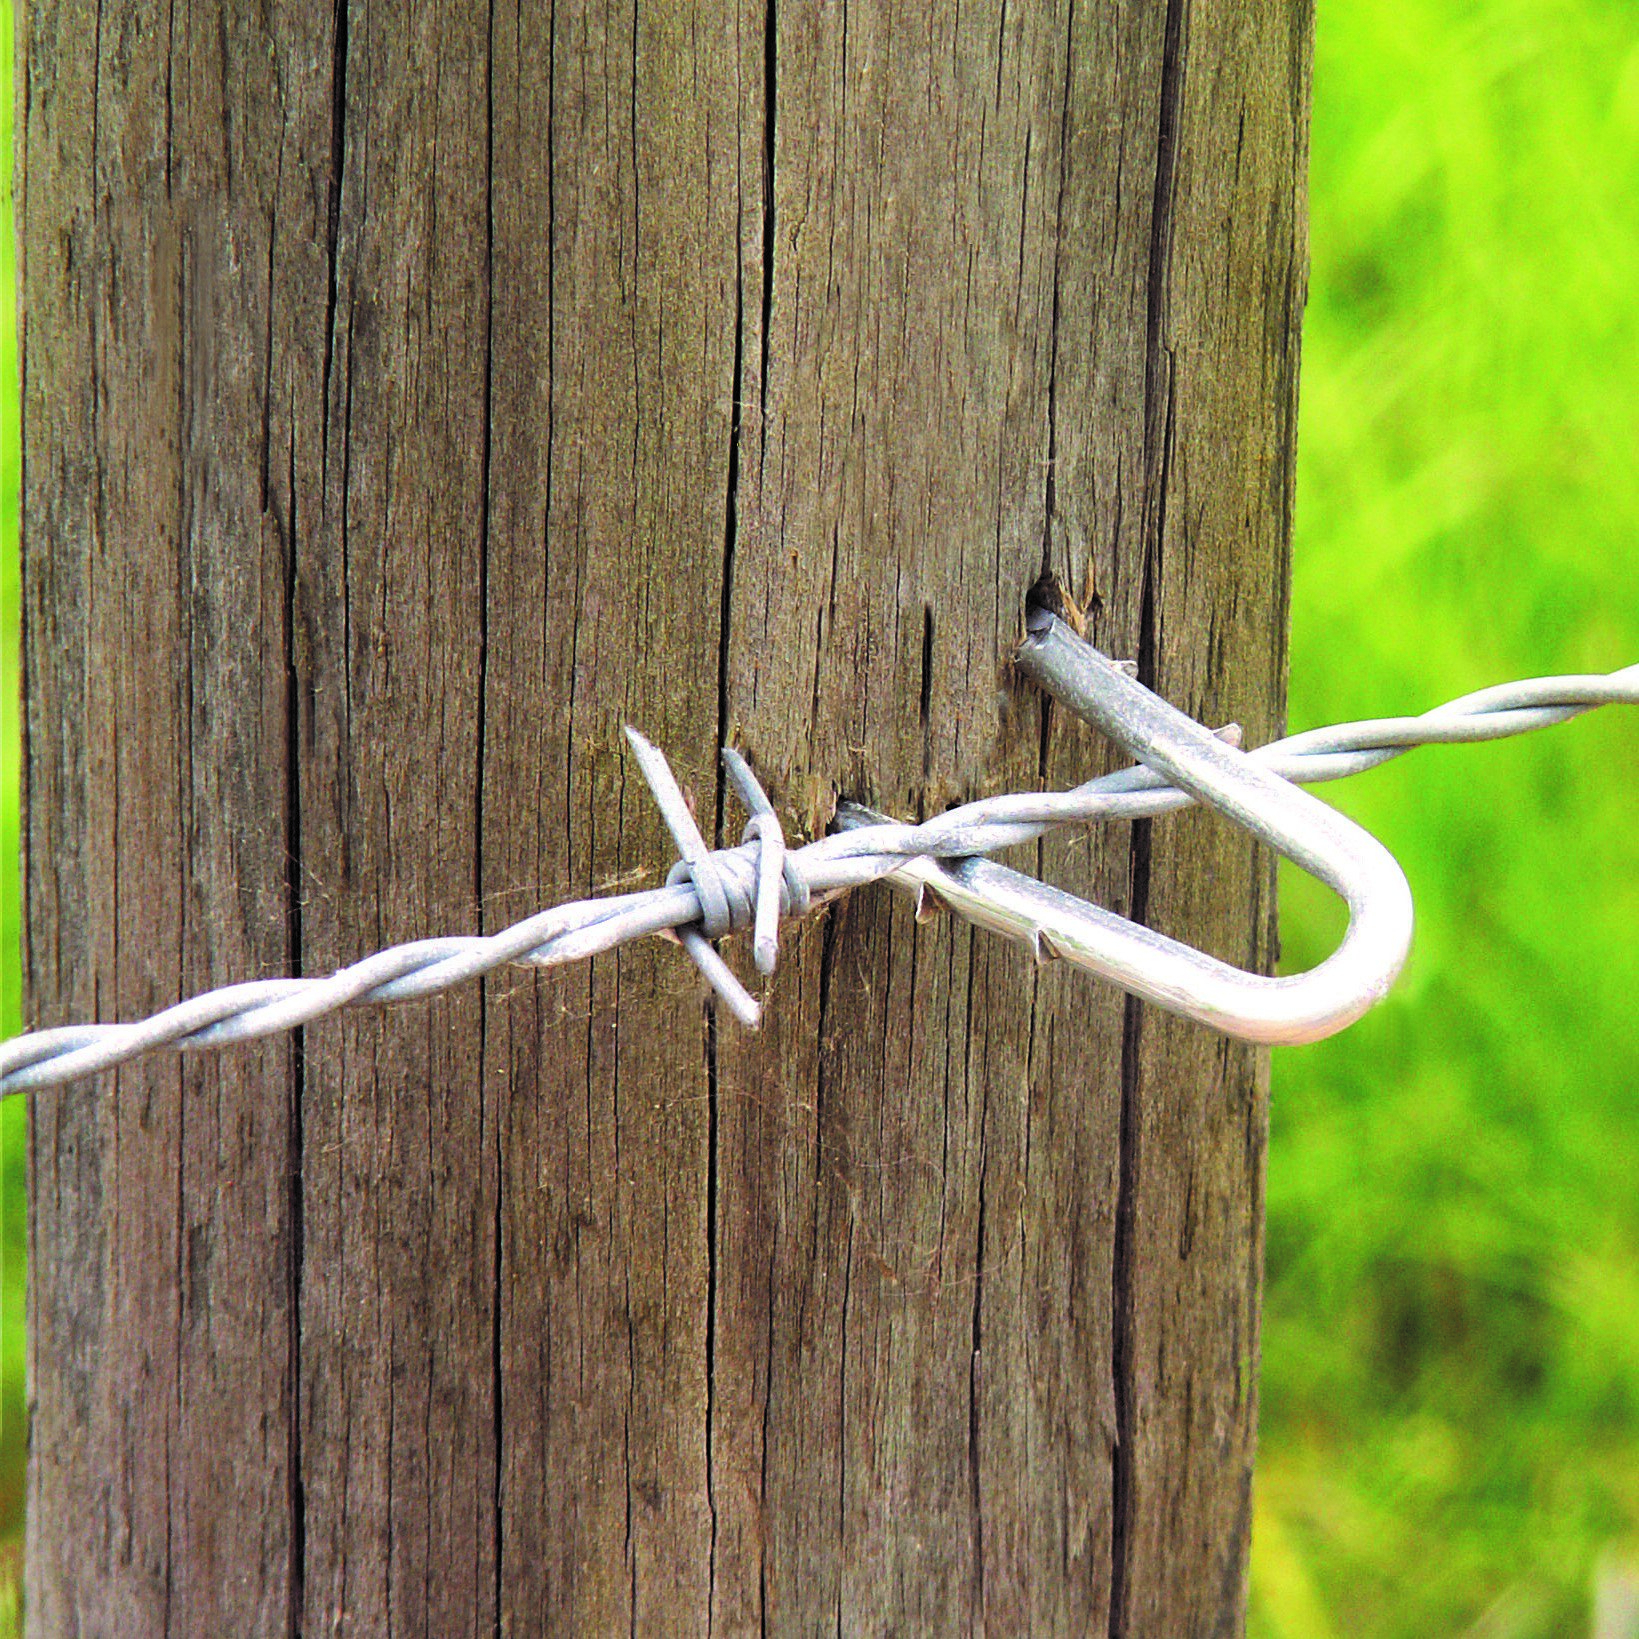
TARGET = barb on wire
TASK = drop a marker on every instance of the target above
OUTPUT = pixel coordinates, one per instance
(757, 883)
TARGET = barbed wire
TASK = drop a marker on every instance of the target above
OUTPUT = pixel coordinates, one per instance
(712, 892)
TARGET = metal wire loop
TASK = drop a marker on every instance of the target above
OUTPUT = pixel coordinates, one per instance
(1253, 1006)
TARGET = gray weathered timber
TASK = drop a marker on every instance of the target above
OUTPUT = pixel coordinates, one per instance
(413, 396)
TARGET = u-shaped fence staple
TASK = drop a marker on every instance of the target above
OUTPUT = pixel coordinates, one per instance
(1255, 1007)
(762, 880)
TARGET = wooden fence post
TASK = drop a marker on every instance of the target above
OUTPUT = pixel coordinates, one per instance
(412, 396)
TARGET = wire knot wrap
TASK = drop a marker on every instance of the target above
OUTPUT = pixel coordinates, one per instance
(752, 886)
(736, 886)
(724, 906)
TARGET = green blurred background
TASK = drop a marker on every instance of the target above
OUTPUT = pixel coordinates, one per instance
(1451, 1341)
(1450, 1429)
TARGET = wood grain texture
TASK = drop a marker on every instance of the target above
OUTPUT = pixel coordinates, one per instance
(413, 395)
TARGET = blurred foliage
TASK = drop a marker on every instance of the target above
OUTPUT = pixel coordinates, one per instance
(1451, 1340)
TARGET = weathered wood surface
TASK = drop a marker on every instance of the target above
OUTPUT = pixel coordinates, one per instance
(414, 395)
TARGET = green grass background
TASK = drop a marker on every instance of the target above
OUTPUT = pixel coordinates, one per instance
(1450, 1429)
(1451, 1343)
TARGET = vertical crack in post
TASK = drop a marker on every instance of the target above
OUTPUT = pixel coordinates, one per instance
(294, 1163)
(1158, 446)
(1123, 1298)
(486, 443)
(1050, 498)
(338, 155)
(975, 1382)
(731, 527)
(731, 530)
(924, 710)
(771, 105)
(711, 1309)
(267, 340)
(297, 1139)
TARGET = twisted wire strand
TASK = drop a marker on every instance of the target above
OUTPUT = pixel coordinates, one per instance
(762, 880)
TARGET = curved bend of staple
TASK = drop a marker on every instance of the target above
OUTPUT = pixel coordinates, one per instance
(842, 860)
